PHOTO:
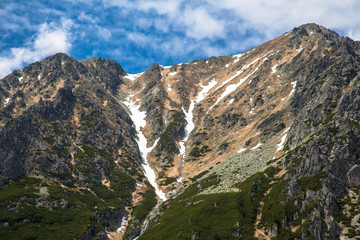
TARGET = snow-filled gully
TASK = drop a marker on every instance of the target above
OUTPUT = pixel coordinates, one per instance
(188, 129)
(138, 118)
(190, 122)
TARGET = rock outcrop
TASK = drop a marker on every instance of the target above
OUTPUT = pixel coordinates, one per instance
(272, 149)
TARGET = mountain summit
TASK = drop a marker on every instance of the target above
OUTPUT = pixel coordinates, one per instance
(262, 144)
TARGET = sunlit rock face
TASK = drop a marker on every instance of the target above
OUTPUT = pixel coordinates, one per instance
(275, 127)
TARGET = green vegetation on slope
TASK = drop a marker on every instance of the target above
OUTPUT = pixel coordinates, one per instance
(31, 207)
(213, 216)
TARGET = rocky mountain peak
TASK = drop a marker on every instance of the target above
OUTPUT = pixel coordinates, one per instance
(272, 131)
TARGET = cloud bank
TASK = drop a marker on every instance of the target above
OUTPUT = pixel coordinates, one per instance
(138, 33)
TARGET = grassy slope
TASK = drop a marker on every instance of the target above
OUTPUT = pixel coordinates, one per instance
(213, 216)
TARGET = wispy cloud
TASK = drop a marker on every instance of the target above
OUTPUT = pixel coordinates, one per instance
(137, 33)
(50, 39)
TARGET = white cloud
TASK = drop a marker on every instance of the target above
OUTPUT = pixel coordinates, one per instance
(50, 39)
(170, 7)
(87, 18)
(277, 16)
(93, 26)
(200, 24)
(355, 35)
(139, 38)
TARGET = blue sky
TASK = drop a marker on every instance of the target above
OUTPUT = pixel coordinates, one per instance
(139, 33)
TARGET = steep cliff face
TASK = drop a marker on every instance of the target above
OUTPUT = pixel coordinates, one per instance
(264, 143)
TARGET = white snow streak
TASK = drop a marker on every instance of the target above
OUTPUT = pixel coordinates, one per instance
(189, 126)
(205, 89)
(190, 122)
(188, 129)
(139, 121)
(39, 76)
(132, 77)
(6, 101)
(122, 225)
(238, 56)
(282, 141)
(293, 90)
(173, 73)
(273, 69)
(242, 150)
(300, 50)
(237, 73)
(257, 146)
(229, 89)
(230, 101)
(20, 78)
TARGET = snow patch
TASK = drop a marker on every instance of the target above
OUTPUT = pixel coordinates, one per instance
(229, 89)
(173, 73)
(227, 65)
(132, 77)
(122, 225)
(139, 121)
(273, 69)
(265, 58)
(188, 129)
(231, 101)
(253, 72)
(237, 57)
(165, 66)
(169, 89)
(242, 150)
(6, 101)
(189, 126)
(237, 73)
(39, 77)
(282, 141)
(299, 50)
(257, 146)
(311, 33)
(20, 78)
(293, 90)
(205, 89)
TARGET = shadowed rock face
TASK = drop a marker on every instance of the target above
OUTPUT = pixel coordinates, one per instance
(291, 103)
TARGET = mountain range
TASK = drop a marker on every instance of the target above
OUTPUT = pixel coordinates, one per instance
(259, 145)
